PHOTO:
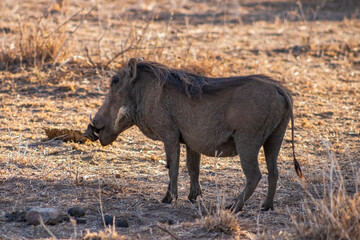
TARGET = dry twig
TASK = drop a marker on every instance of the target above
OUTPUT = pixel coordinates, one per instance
(71, 34)
(46, 228)
(61, 25)
(168, 231)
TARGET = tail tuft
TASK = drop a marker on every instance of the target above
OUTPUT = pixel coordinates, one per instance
(298, 169)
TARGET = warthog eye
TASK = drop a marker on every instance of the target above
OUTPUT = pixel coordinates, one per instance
(115, 79)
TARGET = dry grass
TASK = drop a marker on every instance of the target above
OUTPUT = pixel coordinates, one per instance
(216, 217)
(107, 234)
(56, 60)
(336, 215)
(35, 45)
(220, 219)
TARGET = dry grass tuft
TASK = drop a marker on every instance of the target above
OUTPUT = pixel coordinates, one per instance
(109, 233)
(56, 58)
(34, 45)
(336, 215)
(220, 219)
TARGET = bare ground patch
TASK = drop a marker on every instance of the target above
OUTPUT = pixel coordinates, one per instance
(314, 51)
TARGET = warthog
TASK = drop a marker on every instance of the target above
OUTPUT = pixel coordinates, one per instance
(228, 116)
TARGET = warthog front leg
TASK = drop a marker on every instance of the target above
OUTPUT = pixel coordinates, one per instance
(172, 151)
(193, 165)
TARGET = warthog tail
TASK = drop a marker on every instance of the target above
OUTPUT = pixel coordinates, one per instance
(296, 163)
(290, 104)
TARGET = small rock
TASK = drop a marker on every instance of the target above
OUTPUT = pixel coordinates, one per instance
(168, 221)
(108, 220)
(119, 222)
(80, 220)
(64, 218)
(77, 212)
(122, 222)
(48, 215)
(5, 30)
(2, 216)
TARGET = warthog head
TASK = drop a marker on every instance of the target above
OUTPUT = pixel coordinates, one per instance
(117, 112)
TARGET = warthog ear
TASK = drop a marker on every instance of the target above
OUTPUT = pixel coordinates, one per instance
(131, 68)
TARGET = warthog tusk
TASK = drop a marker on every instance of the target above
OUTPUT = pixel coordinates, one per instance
(91, 121)
(96, 134)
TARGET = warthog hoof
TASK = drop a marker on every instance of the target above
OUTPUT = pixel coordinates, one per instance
(235, 207)
(168, 198)
(230, 207)
(266, 206)
(192, 197)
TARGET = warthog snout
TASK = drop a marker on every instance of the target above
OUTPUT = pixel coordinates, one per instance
(100, 129)
(92, 133)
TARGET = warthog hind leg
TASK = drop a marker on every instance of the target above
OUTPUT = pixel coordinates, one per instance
(271, 148)
(193, 165)
(248, 156)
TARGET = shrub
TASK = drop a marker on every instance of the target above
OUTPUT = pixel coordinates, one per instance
(34, 45)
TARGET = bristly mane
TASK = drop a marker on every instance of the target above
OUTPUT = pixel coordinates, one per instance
(194, 85)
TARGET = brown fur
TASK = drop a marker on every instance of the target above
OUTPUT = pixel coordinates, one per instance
(224, 116)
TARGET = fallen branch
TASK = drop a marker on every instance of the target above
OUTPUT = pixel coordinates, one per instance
(168, 231)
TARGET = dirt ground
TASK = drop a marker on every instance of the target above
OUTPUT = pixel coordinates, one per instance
(312, 47)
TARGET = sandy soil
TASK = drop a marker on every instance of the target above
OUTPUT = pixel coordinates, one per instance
(312, 48)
